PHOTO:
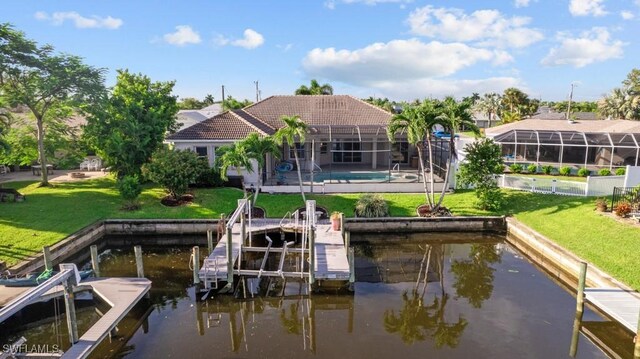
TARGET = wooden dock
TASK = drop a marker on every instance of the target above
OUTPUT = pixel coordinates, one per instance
(621, 305)
(331, 262)
(330, 255)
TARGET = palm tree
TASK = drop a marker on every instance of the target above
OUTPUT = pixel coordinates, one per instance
(257, 148)
(508, 117)
(490, 104)
(5, 123)
(620, 104)
(514, 99)
(417, 122)
(315, 89)
(233, 156)
(293, 128)
(209, 100)
(454, 115)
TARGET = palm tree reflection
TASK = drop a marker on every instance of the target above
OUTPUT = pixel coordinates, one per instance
(474, 276)
(417, 321)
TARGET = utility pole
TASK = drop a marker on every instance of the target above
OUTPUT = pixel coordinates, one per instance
(257, 91)
(570, 99)
(223, 98)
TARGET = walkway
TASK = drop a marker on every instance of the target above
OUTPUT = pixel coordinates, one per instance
(620, 305)
(57, 176)
(331, 256)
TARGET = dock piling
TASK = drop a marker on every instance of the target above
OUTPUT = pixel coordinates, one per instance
(636, 351)
(230, 258)
(48, 263)
(209, 241)
(95, 260)
(139, 264)
(72, 323)
(342, 224)
(582, 279)
(195, 254)
(352, 265)
(312, 255)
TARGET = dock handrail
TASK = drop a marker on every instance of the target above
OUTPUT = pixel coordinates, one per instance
(288, 214)
(242, 203)
(266, 254)
(284, 253)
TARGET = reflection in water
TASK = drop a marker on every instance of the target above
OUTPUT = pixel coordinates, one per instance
(416, 320)
(413, 298)
(474, 276)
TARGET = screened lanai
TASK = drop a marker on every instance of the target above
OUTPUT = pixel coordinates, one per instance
(598, 150)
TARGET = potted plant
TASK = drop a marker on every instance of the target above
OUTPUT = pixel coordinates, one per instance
(335, 220)
(601, 205)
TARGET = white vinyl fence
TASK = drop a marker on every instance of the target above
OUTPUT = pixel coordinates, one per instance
(543, 185)
(603, 186)
(595, 186)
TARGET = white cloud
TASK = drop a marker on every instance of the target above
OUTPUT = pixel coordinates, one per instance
(422, 88)
(485, 27)
(251, 40)
(396, 60)
(521, 3)
(331, 4)
(592, 46)
(627, 15)
(183, 35)
(587, 7)
(79, 21)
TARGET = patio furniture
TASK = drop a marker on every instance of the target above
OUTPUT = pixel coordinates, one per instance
(95, 165)
(37, 169)
(84, 165)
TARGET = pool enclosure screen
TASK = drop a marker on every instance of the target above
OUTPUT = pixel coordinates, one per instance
(607, 150)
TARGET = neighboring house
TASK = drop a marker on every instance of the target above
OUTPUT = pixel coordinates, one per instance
(482, 119)
(187, 118)
(581, 143)
(347, 140)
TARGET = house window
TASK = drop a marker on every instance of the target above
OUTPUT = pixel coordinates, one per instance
(201, 151)
(346, 152)
(300, 148)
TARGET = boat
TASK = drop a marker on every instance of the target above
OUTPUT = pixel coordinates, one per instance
(33, 279)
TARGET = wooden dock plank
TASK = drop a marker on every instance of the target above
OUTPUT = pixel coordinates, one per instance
(218, 266)
(619, 304)
(330, 255)
(122, 294)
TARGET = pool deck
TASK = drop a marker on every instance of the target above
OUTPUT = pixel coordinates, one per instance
(621, 305)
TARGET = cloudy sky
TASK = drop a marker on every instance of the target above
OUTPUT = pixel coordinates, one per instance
(401, 49)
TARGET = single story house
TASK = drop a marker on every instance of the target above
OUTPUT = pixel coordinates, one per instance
(581, 143)
(346, 144)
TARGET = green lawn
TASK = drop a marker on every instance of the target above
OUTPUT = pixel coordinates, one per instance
(50, 214)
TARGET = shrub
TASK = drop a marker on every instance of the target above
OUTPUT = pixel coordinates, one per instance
(583, 172)
(565, 170)
(604, 172)
(532, 168)
(623, 209)
(209, 176)
(483, 161)
(516, 168)
(174, 170)
(601, 204)
(129, 188)
(621, 171)
(371, 205)
(547, 169)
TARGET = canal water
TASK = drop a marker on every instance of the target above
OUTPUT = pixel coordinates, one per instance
(444, 296)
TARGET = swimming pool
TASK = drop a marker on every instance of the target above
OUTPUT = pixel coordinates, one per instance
(351, 176)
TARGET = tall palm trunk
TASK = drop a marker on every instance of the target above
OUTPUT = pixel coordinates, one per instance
(447, 173)
(244, 188)
(255, 196)
(295, 156)
(424, 177)
(43, 158)
(432, 199)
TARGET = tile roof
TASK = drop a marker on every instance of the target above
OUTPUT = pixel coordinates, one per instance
(264, 117)
(588, 126)
(579, 116)
(319, 110)
(225, 126)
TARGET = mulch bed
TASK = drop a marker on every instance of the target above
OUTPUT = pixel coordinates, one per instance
(172, 202)
(425, 211)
